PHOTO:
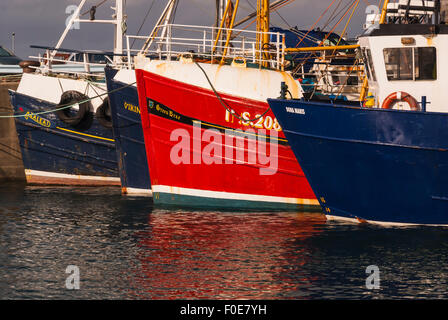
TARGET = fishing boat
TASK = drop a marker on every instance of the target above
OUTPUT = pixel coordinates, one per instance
(128, 134)
(382, 159)
(125, 110)
(9, 62)
(63, 115)
(210, 137)
(125, 114)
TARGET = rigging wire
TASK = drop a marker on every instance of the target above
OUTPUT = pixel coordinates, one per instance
(143, 23)
(254, 20)
(344, 8)
(341, 19)
(333, 15)
(95, 6)
(348, 22)
(278, 13)
(314, 55)
(317, 21)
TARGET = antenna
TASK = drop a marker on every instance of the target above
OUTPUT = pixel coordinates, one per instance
(13, 44)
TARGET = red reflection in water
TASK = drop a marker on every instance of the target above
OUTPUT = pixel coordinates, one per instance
(221, 256)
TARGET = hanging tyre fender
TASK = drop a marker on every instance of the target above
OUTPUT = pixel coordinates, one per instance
(71, 116)
(103, 114)
(401, 96)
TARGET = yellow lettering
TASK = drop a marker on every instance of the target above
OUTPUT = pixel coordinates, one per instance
(43, 122)
(131, 107)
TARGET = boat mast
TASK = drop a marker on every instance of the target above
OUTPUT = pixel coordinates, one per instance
(73, 19)
(165, 19)
(119, 21)
(263, 11)
(229, 13)
(232, 21)
(220, 6)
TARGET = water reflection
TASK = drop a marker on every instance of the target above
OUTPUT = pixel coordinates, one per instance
(126, 249)
(220, 255)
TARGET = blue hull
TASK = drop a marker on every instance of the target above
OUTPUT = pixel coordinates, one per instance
(371, 164)
(128, 133)
(63, 154)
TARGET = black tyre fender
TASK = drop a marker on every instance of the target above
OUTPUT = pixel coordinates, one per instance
(79, 119)
(103, 114)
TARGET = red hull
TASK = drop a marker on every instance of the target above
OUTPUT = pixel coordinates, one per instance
(176, 105)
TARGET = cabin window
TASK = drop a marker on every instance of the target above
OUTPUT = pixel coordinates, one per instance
(425, 63)
(410, 63)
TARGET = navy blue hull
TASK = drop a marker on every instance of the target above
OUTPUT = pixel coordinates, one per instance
(128, 133)
(371, 164)
(65, 155)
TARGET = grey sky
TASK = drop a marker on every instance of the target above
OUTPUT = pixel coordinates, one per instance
(41, 22)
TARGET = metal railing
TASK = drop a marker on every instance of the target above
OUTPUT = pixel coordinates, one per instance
(77, 62)
(333, 79)
(201, 42)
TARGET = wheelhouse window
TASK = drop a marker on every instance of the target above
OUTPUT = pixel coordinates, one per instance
(411, 63)
(425, 63)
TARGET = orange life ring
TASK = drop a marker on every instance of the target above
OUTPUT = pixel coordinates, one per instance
(401, 96)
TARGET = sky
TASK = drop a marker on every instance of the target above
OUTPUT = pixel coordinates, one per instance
(41, 22)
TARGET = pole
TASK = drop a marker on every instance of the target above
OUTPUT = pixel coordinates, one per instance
(273, 6)
(74, 17)
(384, 12)
(13, 45)
(327, 48)
(217, 13)
(229, 33)
(119, 23)
(164, 19)
(265, 21)
(437, 13)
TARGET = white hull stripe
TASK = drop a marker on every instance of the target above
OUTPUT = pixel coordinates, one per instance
(47, 174)
(138, 192)
(381, 223)
(230, 196)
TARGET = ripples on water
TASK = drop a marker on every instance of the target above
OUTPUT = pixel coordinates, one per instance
(126, 249)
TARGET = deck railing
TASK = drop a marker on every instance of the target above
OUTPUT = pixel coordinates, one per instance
(179, 40)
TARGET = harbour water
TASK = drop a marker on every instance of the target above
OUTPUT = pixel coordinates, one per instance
(127, 249)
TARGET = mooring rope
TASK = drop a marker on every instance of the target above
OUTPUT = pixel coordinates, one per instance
(229, 109)
(67, 106)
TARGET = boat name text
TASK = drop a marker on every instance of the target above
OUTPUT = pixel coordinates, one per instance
(43, 122)
(131, 107)
(262, 122)
(295, 110)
